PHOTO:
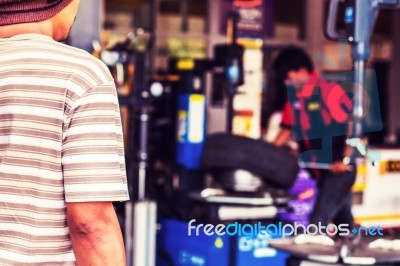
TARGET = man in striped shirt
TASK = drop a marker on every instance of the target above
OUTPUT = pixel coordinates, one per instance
(61, 148)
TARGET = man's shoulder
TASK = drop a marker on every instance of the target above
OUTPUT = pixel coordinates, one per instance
(86, 65)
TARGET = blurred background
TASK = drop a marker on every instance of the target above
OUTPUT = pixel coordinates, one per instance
(200, 102)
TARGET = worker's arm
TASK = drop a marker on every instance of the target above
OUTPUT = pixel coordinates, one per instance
(283, 137)
(95, 234)
(285, 132)
(342, 166)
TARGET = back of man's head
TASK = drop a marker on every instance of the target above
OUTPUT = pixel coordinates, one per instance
(28, 11)
(291, 58)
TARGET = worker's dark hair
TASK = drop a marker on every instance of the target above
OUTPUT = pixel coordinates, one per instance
(291, 58)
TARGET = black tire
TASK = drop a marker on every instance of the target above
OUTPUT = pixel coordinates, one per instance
(275, 165)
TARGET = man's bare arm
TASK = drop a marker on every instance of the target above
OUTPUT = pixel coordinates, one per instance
(283, 137)
(95, 234)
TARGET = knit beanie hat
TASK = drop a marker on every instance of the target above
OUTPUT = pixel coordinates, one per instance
(25, 11)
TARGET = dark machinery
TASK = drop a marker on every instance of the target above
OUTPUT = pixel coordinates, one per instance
(228, 65)
(227, 158)
(360, 18)
(244, 178)
(129, 63)
(190, 112)
(358, 250)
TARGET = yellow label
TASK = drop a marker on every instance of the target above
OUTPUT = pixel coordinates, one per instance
(362, 219)
(361, 170)
(389, 167)
(383, 168)
(360, 183)
(197, 98)
(185, 64)
(182, 115)
(243, 125)
(251, 43)
(359, 187)
(314, 106)
(219, 243)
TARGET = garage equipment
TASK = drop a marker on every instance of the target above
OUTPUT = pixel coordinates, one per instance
(191, 126)
(242, 201)
(220, 205)
(214, 250)
(228, 67)
(250, 177)
(360, 17)
(130, 63)
(354, 251)
(276, 166)
(380, 196)
(250, 172)
(247, 173)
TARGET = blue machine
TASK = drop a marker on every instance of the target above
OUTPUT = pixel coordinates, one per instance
(191, 113)
(191, 129)
(176, 247)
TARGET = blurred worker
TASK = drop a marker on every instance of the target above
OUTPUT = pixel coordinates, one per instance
(317, 116)
(61, 148)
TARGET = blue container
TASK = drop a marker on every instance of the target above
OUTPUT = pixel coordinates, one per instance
(175, 245)
(256, 252)
(178, 248)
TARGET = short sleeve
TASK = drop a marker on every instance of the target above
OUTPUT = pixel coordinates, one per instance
(286, 117)
(93, 153)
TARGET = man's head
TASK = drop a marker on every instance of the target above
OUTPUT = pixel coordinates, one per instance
(53, 17)
(291, 63)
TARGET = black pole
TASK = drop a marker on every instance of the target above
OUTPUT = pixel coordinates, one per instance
(235, 20)
(233, 30)
(230, 113)
(185, 15)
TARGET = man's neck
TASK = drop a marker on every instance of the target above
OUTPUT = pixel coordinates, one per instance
(43, 27)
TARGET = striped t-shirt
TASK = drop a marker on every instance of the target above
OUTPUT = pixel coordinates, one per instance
(60, 141)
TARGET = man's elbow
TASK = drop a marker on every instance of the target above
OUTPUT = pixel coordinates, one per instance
(86, 230)
(90, 233)
(90, 223)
